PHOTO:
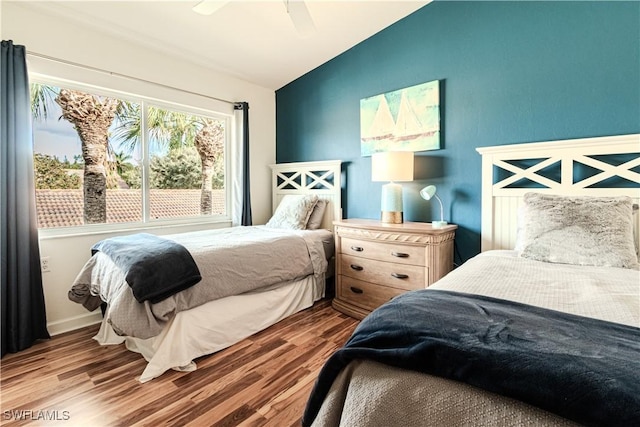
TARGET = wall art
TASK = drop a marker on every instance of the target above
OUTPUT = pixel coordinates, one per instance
(403, 120)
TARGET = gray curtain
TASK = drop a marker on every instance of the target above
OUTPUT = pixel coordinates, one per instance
(22, 298)
(246, 185)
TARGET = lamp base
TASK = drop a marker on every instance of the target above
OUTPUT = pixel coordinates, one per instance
(391, 206)
(391, 217)
(438, 224)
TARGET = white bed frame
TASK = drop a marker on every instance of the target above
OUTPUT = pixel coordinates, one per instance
(322, 178)
(500, 200)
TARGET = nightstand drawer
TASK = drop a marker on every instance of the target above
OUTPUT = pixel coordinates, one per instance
(364, 294)
(376, 261)
(390, 252)
(401, 276)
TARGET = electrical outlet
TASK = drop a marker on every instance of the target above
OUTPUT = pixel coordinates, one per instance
(44, 264)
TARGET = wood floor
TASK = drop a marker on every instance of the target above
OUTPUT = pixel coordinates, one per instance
(262, 381)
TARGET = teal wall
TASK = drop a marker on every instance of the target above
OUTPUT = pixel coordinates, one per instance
(511, 72)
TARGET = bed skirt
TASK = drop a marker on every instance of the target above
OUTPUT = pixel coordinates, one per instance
(216, 325)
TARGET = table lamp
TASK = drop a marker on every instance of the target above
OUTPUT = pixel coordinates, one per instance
(392, 166)
(428, 193)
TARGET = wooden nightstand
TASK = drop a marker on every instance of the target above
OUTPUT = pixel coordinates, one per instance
(376, 261)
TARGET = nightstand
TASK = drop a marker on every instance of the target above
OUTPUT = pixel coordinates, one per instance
(377, 261)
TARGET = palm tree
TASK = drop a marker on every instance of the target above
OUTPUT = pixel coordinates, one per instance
(121, 161)
(209, 142)
(41, 98)
(170, 129)
(176, 130)
(92, 116)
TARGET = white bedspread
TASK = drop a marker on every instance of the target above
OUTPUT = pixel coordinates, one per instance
(605, 293)
(231, 261)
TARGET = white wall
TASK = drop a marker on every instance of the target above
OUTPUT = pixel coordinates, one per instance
(57, 37)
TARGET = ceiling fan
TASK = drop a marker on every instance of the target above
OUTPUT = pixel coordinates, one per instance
(297, 10)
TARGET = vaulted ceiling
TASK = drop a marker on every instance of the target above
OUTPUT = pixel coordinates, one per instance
(252, 40)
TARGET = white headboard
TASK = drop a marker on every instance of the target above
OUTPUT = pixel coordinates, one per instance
(503, 170)
(322, 178)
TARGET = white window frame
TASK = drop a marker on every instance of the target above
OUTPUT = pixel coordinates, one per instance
(146, 101)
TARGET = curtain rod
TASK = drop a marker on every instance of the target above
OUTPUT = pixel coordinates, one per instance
(113, 73)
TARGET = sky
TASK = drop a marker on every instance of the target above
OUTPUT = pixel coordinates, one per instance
(56, 138)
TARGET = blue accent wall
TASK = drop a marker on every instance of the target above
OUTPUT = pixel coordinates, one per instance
(510, 72)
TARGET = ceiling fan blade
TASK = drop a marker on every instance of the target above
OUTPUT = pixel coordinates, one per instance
(208, 7)
(300, 16)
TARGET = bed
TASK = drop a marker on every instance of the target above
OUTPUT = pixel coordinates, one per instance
(525, 333)
(248, 278)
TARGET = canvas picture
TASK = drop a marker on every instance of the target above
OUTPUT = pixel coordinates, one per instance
(403, 120)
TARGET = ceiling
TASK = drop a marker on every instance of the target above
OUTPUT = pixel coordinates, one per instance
(253, 40)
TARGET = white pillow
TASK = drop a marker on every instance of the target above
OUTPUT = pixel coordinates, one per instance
(577, 230)
(293, 212)
(315, 220)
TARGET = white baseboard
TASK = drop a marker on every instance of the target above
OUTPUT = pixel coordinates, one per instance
(73, 323)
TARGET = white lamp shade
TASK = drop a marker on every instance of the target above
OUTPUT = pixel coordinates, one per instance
(392, 166)
(428, 192)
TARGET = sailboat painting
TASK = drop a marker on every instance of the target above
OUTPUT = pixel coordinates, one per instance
(403, 120)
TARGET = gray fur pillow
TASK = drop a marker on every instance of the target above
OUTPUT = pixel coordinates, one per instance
(577, 230)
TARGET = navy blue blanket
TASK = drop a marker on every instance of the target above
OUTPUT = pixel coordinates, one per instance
(155, 268)
(583, 369)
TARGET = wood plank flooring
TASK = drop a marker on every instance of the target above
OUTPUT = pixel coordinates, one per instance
(263, 380)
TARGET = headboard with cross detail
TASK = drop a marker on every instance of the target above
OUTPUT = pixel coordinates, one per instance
(322, 178)
(603, 166)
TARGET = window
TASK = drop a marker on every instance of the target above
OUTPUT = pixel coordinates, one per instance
(106, 158)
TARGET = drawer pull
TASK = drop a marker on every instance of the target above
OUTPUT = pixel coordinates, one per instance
(357, 267)
(356, 290)
(357, 248)
(400, 254)
(400, 275)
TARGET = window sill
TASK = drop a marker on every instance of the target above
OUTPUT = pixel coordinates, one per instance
(99, 229)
